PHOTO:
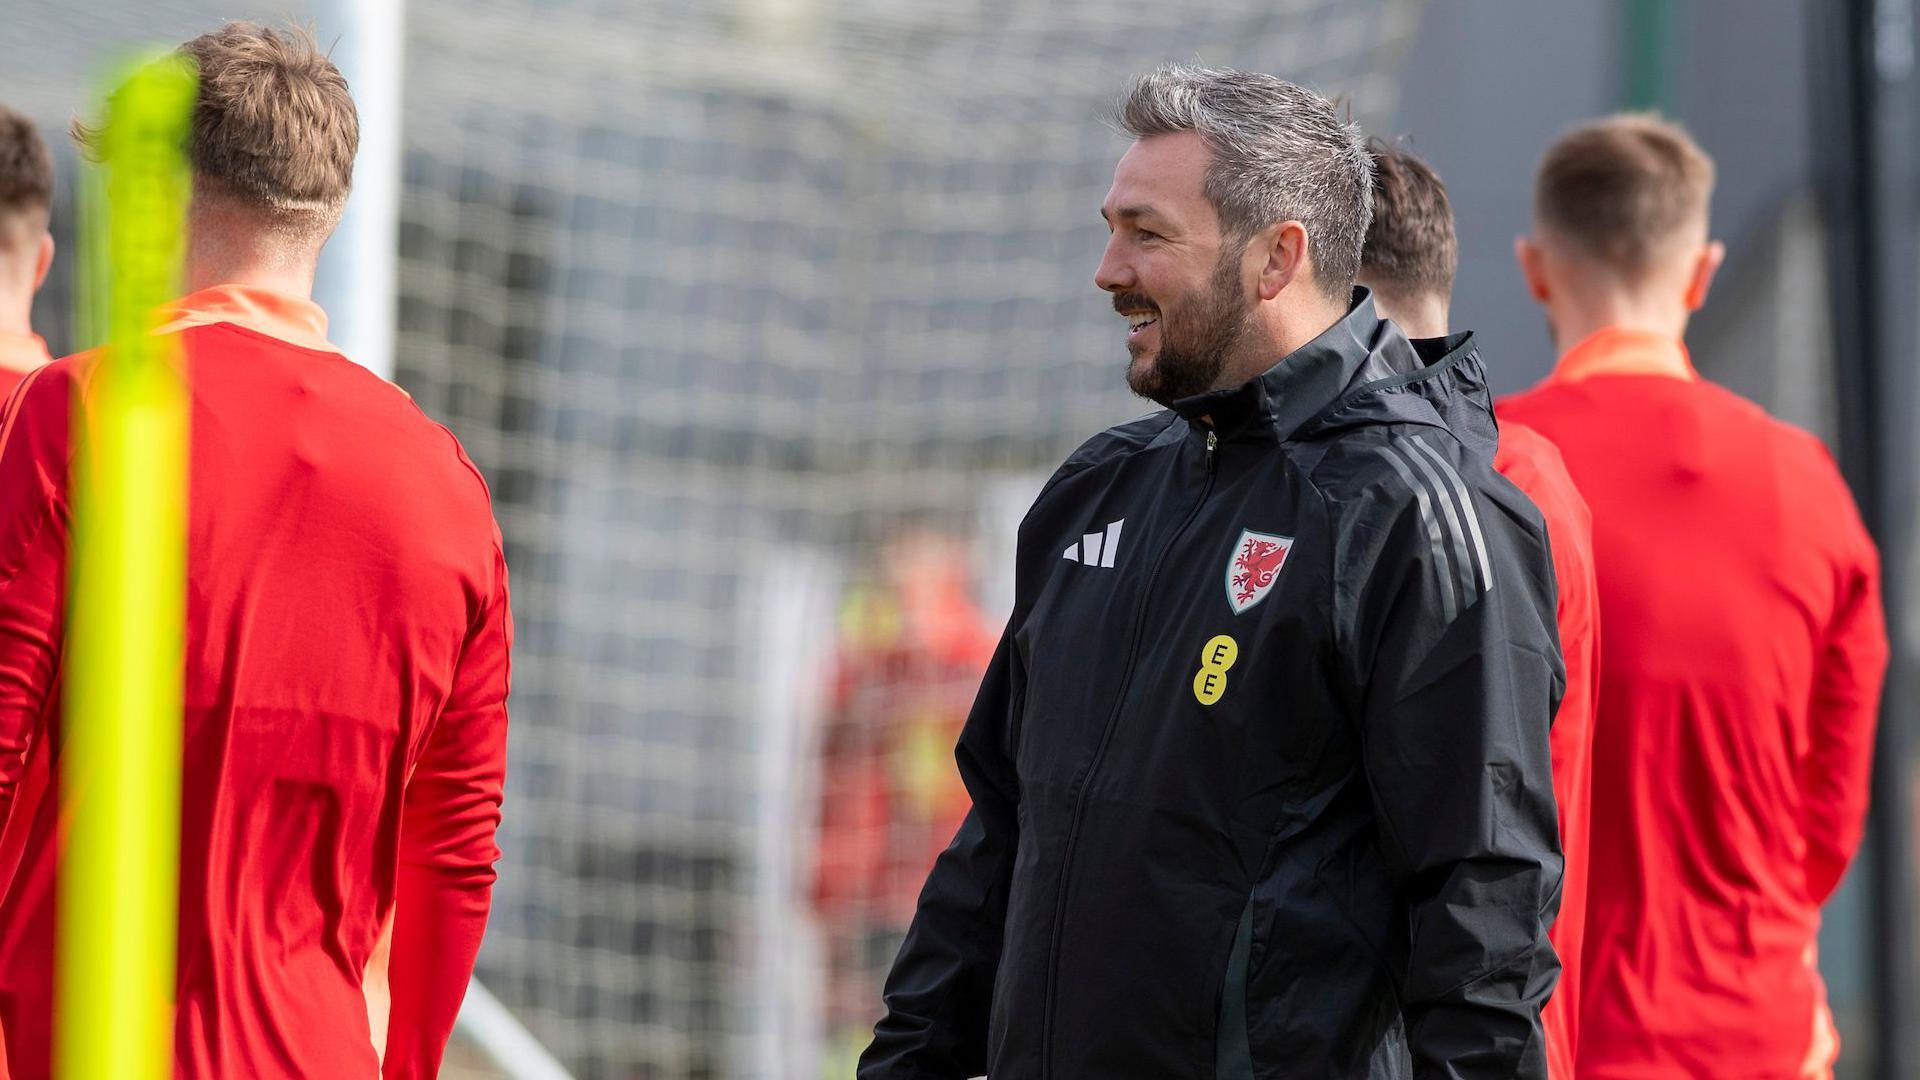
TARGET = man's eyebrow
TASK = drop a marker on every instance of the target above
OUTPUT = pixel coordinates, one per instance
(1129, 212)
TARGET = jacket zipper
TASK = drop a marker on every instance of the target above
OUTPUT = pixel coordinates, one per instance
(1099, 755)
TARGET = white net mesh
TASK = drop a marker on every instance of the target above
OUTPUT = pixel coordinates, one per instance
(763, 318)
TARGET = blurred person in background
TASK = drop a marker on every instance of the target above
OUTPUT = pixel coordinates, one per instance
(912, 646)
(26, 247)
(1742, 644)
(345, 646)
(1409, 263)
(1260, 775)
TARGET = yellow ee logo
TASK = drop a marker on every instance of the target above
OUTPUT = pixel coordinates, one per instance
(1216, 656)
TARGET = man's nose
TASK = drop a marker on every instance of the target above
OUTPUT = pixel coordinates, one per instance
(1113, 274)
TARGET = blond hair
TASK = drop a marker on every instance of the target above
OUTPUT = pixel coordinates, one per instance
(274, 127)
(1624, 190)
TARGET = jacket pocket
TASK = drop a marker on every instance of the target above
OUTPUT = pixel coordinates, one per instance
(1233, 1048)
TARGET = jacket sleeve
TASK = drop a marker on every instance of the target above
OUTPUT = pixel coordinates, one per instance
(447, 851)
(1835, 775)
(1460, 674)
(35, 523)
(941, 986)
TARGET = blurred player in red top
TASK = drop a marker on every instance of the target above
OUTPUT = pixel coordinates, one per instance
(346, 640)
(913, 645)
(1742, 645)
(1409, 262)
(26, 247)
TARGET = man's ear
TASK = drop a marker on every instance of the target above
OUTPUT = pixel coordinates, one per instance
(1705, 265)
(43, 262)
(1285, 247)
(1532, 267)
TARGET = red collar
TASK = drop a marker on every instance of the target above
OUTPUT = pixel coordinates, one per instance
(1619, 351)
(295, 320)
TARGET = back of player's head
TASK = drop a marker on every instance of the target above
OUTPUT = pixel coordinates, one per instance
(1411, 252)
(1626, 192)
(274, 127)
(1280, 153)
(26, 181)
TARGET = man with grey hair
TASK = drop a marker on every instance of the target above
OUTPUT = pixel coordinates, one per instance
(1260, 772)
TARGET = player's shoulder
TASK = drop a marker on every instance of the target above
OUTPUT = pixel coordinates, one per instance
(1390, 467)
(1397, 487)
(50, 390)
(69, 370)
(444, 451)
(1116, 444)
(1521, 401)
(1799, 455)
(1533, 463)
(1524, 442)
(1531, 460)
(38, 410)
(362, 405)
(1547, 406)
(1787, 439)
(1803, 465)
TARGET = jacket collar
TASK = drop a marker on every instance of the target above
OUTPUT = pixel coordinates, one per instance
(1361, 347)
(1458, 389)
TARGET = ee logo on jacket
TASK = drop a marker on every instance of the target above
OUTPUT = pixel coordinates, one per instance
(1251, 569)
(1216, 656)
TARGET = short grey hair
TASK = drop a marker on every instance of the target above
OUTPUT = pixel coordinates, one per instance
(1280, 153)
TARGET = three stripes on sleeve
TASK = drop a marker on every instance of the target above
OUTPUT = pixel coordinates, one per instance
(1452, 524)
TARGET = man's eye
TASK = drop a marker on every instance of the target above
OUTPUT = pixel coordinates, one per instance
(1149, 234)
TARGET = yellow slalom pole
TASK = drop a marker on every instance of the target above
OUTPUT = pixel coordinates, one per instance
(120, 765)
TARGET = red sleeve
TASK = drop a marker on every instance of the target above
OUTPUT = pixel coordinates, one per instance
(447, 850)
(1535, 466)
(34, 524)
(1835, 776)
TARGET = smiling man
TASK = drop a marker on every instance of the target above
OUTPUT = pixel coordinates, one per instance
(1260, 776)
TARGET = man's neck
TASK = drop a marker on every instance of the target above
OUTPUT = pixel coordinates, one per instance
(232, 245)
(16, 306)
(1279, 338)
(1422, 318)
(288, 281)
(1573, 324)
(16, 313)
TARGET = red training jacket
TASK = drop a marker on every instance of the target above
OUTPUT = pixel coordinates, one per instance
(1742, 651)
(346, 680)
(1534, 466)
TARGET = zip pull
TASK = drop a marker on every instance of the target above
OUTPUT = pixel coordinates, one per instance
(1213, 443)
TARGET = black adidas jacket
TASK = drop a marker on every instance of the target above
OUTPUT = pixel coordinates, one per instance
(1260, 776)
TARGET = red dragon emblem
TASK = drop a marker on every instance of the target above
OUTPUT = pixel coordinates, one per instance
(1257, 559)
